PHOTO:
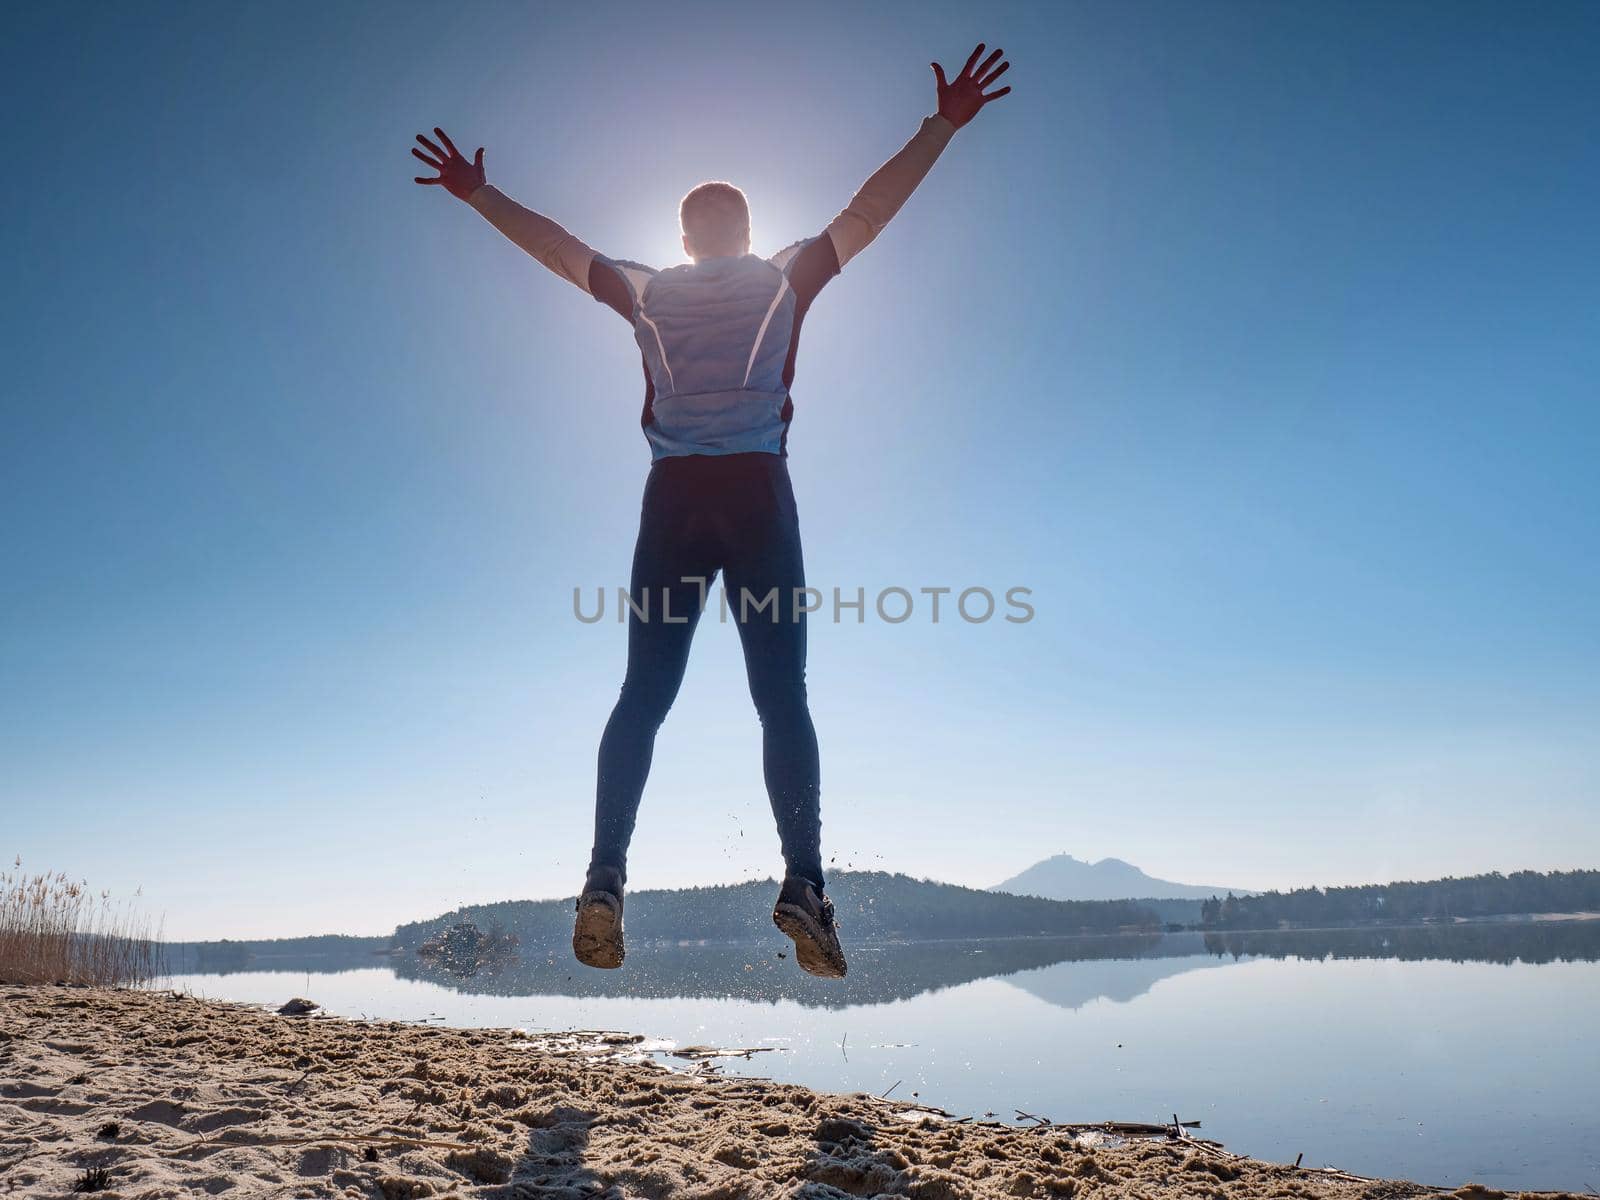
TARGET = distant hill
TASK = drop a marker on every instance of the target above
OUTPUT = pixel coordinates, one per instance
(872, 905)
(1063, 877)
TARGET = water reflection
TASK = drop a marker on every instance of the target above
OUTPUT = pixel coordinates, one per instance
(1502, 942)
(1119, 968)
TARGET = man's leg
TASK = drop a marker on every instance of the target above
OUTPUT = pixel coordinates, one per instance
(669, 549)
(765, 554)
(765, 567)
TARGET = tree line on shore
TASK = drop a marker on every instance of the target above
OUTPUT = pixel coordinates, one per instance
(870, 904)
(884, 908)
(326, 952)
(900, 969)
(1491, 895)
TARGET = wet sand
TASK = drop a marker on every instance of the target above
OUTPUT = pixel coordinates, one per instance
(174, 1096)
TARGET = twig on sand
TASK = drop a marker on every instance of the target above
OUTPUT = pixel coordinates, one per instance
(885, 1094)
(1133, 1129)
(1217, 1149)
(309, 1071)
(1023, 1116)
(702, 1053)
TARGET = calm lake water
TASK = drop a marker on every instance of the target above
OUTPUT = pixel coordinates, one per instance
(1437, 1054)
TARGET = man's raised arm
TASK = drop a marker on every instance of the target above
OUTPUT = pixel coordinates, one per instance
(891, 185)
(541, 237)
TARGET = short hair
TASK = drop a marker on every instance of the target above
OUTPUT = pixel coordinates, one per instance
(715, 217)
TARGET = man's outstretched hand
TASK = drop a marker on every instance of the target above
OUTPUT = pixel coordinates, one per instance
(961, 98)
(459, 177)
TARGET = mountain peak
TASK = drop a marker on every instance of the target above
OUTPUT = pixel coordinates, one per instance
(1063, 877)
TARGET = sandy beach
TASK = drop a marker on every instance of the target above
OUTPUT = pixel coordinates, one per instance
(173, 1096)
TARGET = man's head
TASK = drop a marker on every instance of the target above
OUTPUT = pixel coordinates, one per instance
(716, 221)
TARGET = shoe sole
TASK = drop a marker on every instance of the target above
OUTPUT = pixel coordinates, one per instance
(597, 933)
(811, 946)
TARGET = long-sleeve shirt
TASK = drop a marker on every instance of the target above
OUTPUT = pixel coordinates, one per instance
(718, 338)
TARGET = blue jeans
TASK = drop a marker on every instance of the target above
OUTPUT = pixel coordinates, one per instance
(702, 514)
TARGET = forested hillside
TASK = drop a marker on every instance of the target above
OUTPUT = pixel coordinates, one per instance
(870, 905)
(1439, 899)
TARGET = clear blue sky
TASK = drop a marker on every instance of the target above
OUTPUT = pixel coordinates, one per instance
(1259, 340)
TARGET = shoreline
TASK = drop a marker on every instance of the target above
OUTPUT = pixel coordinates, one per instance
(176, 1096)
(390, 952)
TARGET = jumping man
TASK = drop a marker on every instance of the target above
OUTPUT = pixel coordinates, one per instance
(718, 336)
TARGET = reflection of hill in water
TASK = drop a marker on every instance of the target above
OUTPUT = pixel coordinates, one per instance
(1072, 983)
(1069, 972)
(878, 974)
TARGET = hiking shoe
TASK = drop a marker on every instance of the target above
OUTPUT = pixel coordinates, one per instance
(806, 916)
(597, 932)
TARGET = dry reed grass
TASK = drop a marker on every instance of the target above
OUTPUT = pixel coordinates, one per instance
(55, 930)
